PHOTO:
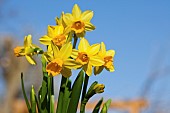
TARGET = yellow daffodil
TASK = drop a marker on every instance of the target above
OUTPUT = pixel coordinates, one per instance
(28, 50)
(55, 34)
(87, 55)
(60, 62)
(107, 57)
(78, 21)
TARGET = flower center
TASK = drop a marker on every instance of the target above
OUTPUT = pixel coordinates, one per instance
(82, 58)
(18, 50)
(54, 67)
(78, 26)
(59, 40)
(108, 61)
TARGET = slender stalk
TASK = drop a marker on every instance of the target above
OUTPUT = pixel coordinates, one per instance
(75, 41)
(85, 86)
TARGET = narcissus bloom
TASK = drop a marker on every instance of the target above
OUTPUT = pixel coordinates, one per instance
(107, 57)
(60, 62)
(87, 55)
(55, 34)
(28, 50)
(78, 21)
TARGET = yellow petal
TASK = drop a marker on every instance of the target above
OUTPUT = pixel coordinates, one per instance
(30, 59)
(89, 26)
(83, 45)
(96, 61)
(88, 69)
(111, 68)
(55, 50)
(67, 18)
(86, 16)
(50, 31)
(59, 30)
(72, 64)
(66, 72)
(27, 41)
(98, 69)
(74, 53)
(46, 40)
(76, 11)
(110, 53)
(65, 51)
(67, 30)
(48, 56)
(93, 49)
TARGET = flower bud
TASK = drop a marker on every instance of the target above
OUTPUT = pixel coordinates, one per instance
(99, 88)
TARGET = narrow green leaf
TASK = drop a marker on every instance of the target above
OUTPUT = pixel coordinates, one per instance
(61, 94)
(97, 107)
(66, 97)
(52, 104)
(43, 91)
(25, 97)
(38, 104)
(76, 91)
(106, 106)
(32, 100)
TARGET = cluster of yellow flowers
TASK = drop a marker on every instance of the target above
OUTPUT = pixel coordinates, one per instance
(62, 56)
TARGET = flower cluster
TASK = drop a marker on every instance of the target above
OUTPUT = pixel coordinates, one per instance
(61, 56)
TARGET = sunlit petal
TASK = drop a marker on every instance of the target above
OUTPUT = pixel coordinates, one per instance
(89, 26)
(96, 61)
(67, 18)
(55, 50)
(83, 45)
(50, 31)
(65, 51)
(88, 69)
(27, 41)
(72, 64)
(74, 53)
(30, 59)
(46, 40)
(76, 11)
(110, 53)
(86, 16)
(93, 49)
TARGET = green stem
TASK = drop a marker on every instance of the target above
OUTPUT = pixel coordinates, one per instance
(51, 94)
(75, 41)
(85, 86)
(82, 107)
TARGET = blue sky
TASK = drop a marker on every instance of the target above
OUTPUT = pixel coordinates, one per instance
(138, 30)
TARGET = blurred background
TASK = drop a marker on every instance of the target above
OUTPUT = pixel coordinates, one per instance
(139, 32)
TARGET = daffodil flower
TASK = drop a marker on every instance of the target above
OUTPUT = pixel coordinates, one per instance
(107, 57)
(87, 55)
(55, 34)
(59, 62)
(28, 50)
(78, 21)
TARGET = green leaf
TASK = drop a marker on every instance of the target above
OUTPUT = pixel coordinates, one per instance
(61, 94)
(38, 104)
(97, 107)
(66, 97)
(25, 97)
(76, 91)
(32, 100)
(106, 106)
